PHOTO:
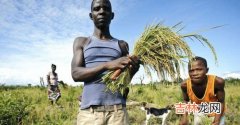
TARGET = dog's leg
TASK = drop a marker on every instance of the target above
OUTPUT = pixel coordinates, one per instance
(164, 118)
(147, 118)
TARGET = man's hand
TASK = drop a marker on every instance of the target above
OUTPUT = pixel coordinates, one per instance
(119, 63)
(134, 64)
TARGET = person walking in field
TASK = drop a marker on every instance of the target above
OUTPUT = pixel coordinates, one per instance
(53, 90)
(93, 57)
(204, 90)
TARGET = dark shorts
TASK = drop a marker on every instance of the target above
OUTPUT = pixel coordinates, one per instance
(53, 88)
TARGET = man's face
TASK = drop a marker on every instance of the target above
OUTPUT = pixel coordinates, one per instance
(101, 13)
(53, 68)
(197, 72)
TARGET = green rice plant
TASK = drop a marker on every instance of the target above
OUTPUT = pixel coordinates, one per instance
(120, 83)
(161, 49)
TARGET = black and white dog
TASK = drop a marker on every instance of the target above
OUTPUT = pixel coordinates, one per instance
(155, 112)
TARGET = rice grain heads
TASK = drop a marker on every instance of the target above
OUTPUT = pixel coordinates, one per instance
(161, 49)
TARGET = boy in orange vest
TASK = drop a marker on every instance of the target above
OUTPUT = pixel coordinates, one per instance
(201, 88)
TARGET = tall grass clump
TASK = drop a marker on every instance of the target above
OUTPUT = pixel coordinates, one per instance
(13, 108)
(161, 49)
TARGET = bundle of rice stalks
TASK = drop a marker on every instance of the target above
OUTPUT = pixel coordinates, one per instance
(161, 49)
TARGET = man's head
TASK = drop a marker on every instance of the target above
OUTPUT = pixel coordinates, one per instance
(197, 69)
(53, 66)
(101, 13)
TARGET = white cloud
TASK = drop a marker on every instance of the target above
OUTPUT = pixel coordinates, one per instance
(35, 34)
(232, 75)
(23, 69)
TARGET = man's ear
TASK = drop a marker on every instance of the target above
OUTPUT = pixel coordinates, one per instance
(112, 15)
(90, 15)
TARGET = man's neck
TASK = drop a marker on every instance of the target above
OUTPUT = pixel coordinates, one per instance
(103, 34)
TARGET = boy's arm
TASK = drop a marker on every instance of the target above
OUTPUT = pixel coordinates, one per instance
(220, 93)
(184, 119)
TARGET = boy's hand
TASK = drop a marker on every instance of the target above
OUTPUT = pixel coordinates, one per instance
(183, 121)
(215, 123)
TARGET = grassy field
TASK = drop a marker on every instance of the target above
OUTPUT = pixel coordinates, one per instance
(31, 106)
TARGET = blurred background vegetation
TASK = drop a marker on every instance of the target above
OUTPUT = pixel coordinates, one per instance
(29, 105)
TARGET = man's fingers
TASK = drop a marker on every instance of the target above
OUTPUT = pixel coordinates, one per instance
(130, 66)
(134, 59)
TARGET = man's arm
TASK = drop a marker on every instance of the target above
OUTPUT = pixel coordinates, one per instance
(135, 63)
(220, 93)
(184, 119)
(81, 73)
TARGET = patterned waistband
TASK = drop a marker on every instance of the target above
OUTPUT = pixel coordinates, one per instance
(105, 108)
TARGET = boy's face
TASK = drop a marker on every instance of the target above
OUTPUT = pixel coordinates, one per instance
(101, 13)
(197, 72)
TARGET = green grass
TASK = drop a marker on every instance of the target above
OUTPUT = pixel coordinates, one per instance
(32, 105)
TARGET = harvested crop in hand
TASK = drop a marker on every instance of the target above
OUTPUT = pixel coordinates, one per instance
(160, 49)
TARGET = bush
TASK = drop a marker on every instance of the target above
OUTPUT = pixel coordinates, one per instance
(13, 108)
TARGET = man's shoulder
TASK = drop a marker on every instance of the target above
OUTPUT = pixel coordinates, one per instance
(49, 73)
(124, 47)
(123, 42)
(81, 41)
